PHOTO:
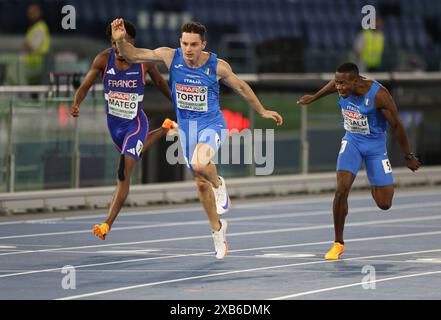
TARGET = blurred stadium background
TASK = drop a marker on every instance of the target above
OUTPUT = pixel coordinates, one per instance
(283, 48)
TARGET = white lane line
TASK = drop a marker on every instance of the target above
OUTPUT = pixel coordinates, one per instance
(284, 255)
(258, 205)
(426, 260)
(129, 251)
(369, 209)
(144, 285)
(305, 293)
(396, 236)
(288, 271)
(258, 232)
(410, 235)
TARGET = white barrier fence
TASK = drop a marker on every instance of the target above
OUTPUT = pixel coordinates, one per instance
(180, 192)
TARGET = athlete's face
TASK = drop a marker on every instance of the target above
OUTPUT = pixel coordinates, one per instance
(192, 46)
(118, 55)
(345, 83)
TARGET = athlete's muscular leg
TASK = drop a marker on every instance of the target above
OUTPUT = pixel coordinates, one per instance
(122, 188)
(153, 136)
(202, 164)
(340, 204)
(383, 196)
(205, 174)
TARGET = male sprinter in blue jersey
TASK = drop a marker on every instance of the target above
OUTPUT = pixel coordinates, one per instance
(128, 125)
(194, 81)
(366, 107)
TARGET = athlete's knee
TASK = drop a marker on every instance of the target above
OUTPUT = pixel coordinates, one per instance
(383, 198)
(384, 204)
(202, 184)
(342, 192)
(340, 198)
(198, 167)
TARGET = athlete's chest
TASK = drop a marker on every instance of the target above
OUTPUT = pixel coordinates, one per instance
(356, 114)
(131, 78)
(123, 90)
(193, 88)
(362, 105)
(184, 75)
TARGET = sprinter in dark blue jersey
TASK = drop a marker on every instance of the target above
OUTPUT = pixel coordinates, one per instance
(127, 123)
(194, 80)
(366, 107)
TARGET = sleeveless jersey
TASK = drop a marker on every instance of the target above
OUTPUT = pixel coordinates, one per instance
(123, 90)
(361, 120)
(195, 91)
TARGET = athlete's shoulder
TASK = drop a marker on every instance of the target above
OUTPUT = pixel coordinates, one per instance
(223, 68)
(223, 62)
(382, 90)
(382, 97)
(165, 54)
(102, 58)
(165, 51)
(367, 82)
(105, 53)
(371, 85)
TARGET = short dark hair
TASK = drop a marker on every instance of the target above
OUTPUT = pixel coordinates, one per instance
(130, 28)
(194, 27)
(348, 67)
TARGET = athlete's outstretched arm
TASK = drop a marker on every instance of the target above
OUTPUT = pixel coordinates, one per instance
(327, 89)
(386, 104)
(97, 67)
(229, 78)
(158, 80)
(137, 55)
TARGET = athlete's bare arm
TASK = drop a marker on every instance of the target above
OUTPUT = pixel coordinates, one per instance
(230, 79)
(98, 66)
(138, 55)
(327, 89)
(386, 104)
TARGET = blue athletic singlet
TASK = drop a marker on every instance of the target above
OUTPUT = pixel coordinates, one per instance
(124, 91)
(365, 138)
(195, 93)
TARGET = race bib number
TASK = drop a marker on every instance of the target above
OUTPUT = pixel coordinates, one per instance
(355, 122)
(139, 146)
(386, 166)
(123, 105)
(192, 98)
